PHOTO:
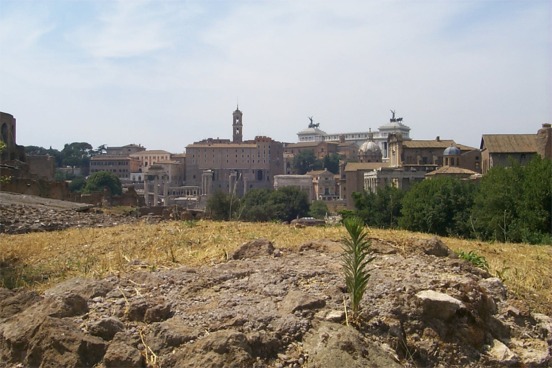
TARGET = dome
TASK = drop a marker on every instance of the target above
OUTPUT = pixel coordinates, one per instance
(452, 151)
(370, 146)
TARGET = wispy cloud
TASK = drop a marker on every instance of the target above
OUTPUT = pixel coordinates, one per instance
(140, 69)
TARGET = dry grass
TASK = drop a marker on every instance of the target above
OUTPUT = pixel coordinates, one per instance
(39, 260)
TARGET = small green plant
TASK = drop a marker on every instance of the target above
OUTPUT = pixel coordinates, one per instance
(356, 256)
(475, 259)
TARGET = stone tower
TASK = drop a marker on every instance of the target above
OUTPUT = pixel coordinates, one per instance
(544, 141)
(237, 126)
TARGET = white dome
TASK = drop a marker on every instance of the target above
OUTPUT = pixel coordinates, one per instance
(370, 146)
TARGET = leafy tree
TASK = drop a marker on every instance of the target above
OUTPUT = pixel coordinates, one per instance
(441, 206)
(77, 184)
(380, 209)
(77, 154)
(514, 203)
(100, 150)
(318, 209)
(103, 179)
(331, 163)
(289, 203)
(305, 161)
(256, 205)
(536, 207)
(222, 206)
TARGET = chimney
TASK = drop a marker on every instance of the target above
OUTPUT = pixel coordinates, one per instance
(438, 139)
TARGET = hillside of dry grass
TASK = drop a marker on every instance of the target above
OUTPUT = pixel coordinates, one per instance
(40, 260)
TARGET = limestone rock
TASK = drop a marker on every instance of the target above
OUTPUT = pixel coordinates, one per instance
(121, 355)
(502, 354)
(254, 248)
(439, 305)
(494, 287)
(157, 313)
(296, 300)
(12, 303)
(434, 247)
(218, 349)
(332, 345)
(106, 328)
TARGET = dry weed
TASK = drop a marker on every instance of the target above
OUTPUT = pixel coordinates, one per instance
(39, 260)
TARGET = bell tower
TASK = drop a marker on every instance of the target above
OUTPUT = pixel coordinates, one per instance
(237, 126)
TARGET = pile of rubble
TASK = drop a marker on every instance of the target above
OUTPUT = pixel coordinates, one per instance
(20, 218)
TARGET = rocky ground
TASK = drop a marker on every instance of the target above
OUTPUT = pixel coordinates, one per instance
(266, 307)
(21, 213)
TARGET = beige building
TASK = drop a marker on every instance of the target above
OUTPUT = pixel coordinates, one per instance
(409, 162)
(124, 150)
(499, 149)
(428, 154)
(234, 166)
(452, 162)
(150, 157)
(303, 182)
(320, 149)
(352, 179)
(324, 187)
(121, 166)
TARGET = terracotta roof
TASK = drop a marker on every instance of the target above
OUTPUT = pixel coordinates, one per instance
(318, 172)
(358, 166)
(222, 145)
(436, 144)
(509, 143)
(451, 170)
(341, 144)
(309, 144)
(109, 157)
(149, 152)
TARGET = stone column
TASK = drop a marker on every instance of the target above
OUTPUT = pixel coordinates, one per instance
(165, 191)
(155, 191)
(146, 191)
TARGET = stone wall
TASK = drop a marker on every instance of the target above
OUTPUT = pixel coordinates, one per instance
(41, 188)
(60, 190)
(41, 166)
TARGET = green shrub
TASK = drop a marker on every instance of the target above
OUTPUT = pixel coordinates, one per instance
(356, 256)
(475, 259)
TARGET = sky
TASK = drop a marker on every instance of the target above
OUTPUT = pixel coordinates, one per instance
(165, 74)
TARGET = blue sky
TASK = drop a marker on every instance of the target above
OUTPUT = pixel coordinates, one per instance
(167, 73)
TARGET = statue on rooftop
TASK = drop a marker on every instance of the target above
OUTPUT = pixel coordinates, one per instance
(312, 124)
